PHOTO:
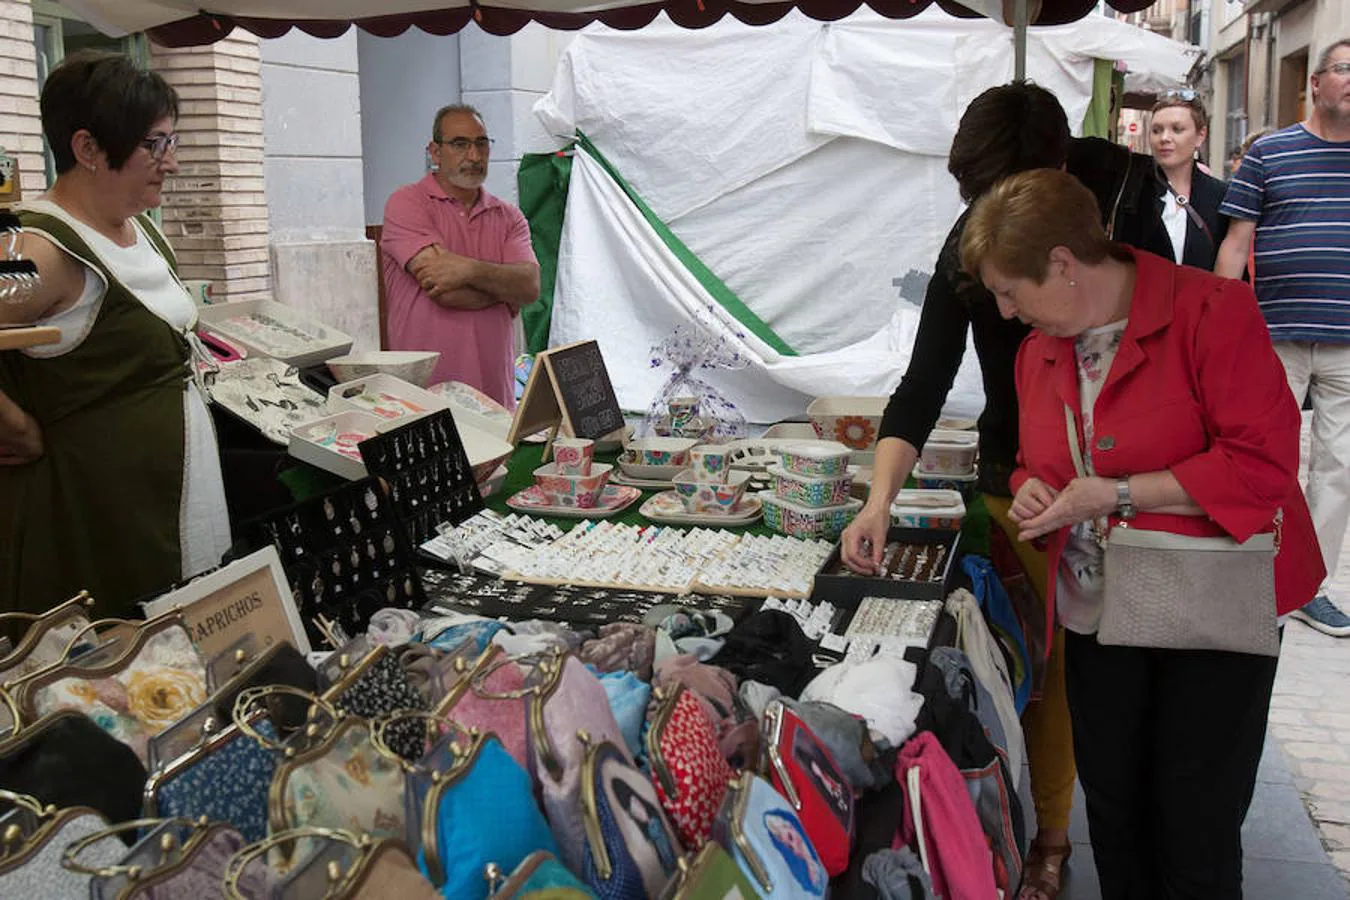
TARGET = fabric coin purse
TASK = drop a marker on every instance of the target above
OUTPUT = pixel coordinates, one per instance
(328, 865)
(343, 782)
(158, 678)
(567, 700)
(631, 850)
(849, 742)
(688, 769)
(539, 877)
(163, 846)
(474, 805)
(33, 868)
(758, 828)
(490, 695)
(628, 700)
(199, 874)
(717, 690)
(377, 685)
(225, 779)
(801, 768)
(712, 874)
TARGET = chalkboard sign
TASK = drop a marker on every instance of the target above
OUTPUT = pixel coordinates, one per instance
(568, 386)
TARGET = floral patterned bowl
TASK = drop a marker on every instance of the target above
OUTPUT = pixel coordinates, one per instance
(821, 459)
(949, 452)
(711, 497)
(812, 492)
(579, 491)
(826, 522)
(659, 451)
(852, 421)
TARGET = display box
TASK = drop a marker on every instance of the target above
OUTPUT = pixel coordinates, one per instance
(272, 329)
(385, 396)
(937, 570)
(333, 442)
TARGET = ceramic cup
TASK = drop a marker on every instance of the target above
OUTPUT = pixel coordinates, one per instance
(710, 462)
(574, 455)
(682, 412)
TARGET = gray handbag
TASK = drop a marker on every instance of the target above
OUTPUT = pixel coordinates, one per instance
(1181, 592)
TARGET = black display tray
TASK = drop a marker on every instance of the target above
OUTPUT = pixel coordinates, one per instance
(845, 591)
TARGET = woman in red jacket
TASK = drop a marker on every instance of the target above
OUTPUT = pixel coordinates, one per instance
(1187, 425)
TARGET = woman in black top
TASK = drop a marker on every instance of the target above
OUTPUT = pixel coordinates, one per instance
(1005, 130)
(1187, 199)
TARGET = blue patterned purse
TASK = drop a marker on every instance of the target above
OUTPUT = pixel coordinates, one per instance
(225, 779)
(631, 851)
(758, 828)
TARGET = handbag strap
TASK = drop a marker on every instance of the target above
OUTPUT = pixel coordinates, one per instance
(1075, 449)
(1191, 212)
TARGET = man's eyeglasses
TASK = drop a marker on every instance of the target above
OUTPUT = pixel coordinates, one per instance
(1185, 95)
(161, 144)
(461, 145)
(1340, 68)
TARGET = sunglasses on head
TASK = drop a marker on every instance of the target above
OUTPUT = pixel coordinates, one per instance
(1185, 95)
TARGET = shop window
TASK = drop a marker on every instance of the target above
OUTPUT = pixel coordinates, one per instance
(1235, 107)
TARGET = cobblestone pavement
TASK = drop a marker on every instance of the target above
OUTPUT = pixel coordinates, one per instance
(1310, 717)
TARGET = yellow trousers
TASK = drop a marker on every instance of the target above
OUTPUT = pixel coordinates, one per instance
(1045, 722)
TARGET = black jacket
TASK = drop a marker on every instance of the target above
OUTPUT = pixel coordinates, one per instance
(1201, 248)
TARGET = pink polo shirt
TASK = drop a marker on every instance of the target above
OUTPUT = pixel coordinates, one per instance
(475, 345)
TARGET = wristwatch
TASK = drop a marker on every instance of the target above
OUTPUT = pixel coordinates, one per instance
(1124, 505)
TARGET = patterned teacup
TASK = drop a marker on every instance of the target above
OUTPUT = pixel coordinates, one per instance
(710, 462)
(574, 455)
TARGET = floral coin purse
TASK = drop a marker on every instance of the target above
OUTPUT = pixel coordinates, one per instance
(631, 850)
(490, 695)
(225, 779)
(539, 877)
(158, 678)
(688, 769)
(377, 685)
(344, 782)
(31, 866)
(801, 768)
(759, 830)
(327, 864)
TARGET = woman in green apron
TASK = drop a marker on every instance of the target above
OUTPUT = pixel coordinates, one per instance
(109, 471)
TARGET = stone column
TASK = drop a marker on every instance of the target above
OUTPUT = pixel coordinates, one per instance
(215, 209)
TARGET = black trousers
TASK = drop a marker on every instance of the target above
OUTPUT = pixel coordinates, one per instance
(1167, 744)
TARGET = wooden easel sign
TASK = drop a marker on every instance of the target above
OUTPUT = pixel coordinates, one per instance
(568, 386)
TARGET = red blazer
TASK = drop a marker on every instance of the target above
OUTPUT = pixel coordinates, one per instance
(1195, 388)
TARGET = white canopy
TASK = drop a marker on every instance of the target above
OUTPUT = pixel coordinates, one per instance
(805, 165)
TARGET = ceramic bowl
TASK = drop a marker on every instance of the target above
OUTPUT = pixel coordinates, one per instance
(852, 421)
(949, 452)
(579, 491)
(710, 462)
(698, 428)
(659, 451)
(710, 497)
(574, 456)
(823, 459)
(962, 484)
(789, 518)
(413, 366)
(812, 492)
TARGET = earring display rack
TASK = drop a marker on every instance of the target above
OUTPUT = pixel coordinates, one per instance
(427, 469)
(345, 558)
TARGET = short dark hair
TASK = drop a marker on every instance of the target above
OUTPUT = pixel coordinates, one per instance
(107, 95)
(453, 108)
(1199, 115)
(1324, 58)
(1007, 129)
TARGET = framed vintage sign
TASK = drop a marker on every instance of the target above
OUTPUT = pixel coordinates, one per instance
(569, 387)
(248, 596)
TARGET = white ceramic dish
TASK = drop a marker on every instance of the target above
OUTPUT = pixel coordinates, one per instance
(949, 452)
(853, 421)
(962, 484)
(299, 341)
(644, 484)
(331, 442)
(816, 493)
(385, 396)
(796, 432)
(494, 483)
(644, 450)
(815, 459)
(650, 473)
(826, 522)
(709, 497)
(413, 366)
(667, 508)
(615, 498)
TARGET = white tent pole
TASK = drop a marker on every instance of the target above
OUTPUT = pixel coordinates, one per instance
(1021, 19)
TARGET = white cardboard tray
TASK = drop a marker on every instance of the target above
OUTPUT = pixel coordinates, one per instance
(319, 344)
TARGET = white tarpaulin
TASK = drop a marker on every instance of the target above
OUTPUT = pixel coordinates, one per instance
(805, 165)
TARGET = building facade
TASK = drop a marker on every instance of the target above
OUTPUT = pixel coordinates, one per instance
(290, 146)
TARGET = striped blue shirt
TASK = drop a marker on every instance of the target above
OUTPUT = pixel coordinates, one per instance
(1296, 187)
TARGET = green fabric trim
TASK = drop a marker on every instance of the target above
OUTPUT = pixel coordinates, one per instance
(1098, 121)
(711, 283)
(542, 181)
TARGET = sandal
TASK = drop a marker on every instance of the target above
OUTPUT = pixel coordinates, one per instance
(1042, 872)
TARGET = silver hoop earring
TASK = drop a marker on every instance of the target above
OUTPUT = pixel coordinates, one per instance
(93, 167)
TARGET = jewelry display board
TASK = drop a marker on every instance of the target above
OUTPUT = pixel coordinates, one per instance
(487, 595)
(344, 556)
(430, 480)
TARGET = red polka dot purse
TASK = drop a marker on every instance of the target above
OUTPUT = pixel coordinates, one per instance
(688, 769)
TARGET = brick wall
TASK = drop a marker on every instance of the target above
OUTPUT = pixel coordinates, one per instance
(215, 211)
(20, 123)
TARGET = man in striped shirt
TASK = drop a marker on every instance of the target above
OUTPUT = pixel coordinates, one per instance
(1292, 192)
